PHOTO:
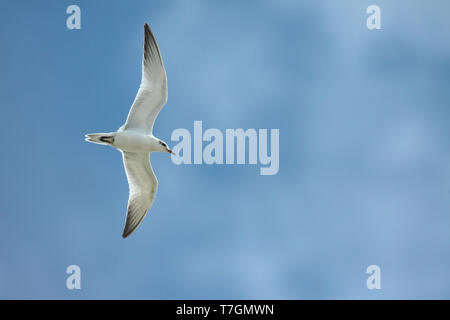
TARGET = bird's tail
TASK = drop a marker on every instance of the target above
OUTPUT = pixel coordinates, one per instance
(100, 138)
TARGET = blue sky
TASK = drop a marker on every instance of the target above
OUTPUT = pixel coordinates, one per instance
(364, 150)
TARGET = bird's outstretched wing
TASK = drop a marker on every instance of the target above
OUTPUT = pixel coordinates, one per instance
(143, 184)
(152, 93)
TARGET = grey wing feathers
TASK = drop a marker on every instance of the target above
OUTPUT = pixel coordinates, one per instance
(152, 55)
(142, 184)
(152, 93)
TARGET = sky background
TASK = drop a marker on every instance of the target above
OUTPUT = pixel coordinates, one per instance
(364, 172)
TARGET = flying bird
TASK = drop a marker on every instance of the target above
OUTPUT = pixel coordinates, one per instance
(135, 138)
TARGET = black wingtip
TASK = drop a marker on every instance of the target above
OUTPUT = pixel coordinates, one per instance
(126, 231)
(150, 45)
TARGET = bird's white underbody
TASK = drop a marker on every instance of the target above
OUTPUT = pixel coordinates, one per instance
(134, 141)
(135, 138)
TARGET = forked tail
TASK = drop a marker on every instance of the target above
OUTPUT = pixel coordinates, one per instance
(100, 138)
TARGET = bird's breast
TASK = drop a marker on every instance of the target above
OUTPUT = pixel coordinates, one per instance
(132, 141)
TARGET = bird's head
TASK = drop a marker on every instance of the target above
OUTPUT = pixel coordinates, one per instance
(164, 147)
